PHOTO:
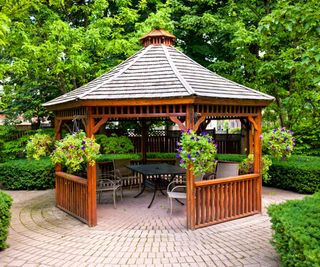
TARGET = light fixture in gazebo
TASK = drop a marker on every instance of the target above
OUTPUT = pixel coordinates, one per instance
(161, 82)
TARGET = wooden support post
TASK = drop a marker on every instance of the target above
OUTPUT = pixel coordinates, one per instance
(257, 152)
(190, 176)
(91, 176)
(57, 136)
(258, 159)
(144, 141)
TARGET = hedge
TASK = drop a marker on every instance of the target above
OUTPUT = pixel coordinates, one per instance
(296, 225)
(5, 205)
(27, 174)
(299, 173)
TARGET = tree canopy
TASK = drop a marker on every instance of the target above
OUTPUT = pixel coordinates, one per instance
(48, 48)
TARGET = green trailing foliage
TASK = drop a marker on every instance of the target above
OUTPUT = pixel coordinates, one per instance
(246, 166)
(296, 237)
(197, 151)
(114, 144)
(39, 145)
(279, 143)
(74, 151)
(26, 174)
(5, 215)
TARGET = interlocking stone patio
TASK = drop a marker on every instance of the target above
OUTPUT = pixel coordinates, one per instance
(133, 235)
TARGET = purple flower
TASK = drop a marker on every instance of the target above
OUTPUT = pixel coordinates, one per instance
(287, 148)
(201, 163)
(192, 138)
(269, 143)
(181, 161)
(274, 130)
(179, 148)
(293, 139)
(197, 153)
(55, 148)
(188, 131)
(83, 148)
(261, 136)
(282, 129)
(213, 141)
(277, 139)
(83, 142)
(189, 156)
(177, 143)
(216, 145)
(284, 138)
(177, 156)
(197, 139)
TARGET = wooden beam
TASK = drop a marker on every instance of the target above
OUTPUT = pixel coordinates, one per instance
(92, 179)
(100, 123)
(57, 129)
(253, 122)
(144, 140)
(258, 159)
(190, 176)
(179, 123)
(200, 120)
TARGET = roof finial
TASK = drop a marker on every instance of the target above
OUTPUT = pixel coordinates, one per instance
(158, 37)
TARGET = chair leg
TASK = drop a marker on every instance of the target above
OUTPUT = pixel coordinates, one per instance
(114, 199)
(170, 206)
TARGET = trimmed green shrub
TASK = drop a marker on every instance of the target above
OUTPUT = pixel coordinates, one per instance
(110, 157)
(231, 157)
(296, 225)
(299, 173)
(5, 215)
(114, 144)
(27, 174)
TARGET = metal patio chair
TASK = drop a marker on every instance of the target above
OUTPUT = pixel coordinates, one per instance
(127, 176)
(109, 182)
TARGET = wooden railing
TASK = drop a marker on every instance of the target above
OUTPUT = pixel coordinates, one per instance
(226, 199)
(72, 195)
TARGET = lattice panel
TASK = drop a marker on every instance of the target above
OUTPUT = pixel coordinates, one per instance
(140, 111)
(226, 111)
(72, 113)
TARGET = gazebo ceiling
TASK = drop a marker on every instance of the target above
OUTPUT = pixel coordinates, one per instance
(159, 71)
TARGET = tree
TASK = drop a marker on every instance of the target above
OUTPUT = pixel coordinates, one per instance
(58, 46)
(272, 46)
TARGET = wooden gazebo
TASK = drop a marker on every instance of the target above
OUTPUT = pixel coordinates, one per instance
(161, 82)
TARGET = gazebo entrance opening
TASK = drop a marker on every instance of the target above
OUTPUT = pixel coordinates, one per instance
(161, 82)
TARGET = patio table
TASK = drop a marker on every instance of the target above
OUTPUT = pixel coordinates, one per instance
(153, 174)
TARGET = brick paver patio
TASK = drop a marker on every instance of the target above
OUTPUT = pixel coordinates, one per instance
(133, 235)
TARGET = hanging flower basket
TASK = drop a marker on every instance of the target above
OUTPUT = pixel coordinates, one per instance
(197, 151)
(74, 151)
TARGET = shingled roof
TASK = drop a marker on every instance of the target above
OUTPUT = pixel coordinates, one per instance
(159, 71)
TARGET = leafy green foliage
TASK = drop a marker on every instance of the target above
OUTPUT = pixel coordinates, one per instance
(27, 174)
(197, 152)
(296, 235)
(56, 46)
(246, 166)
(271, 46)
(299, 173)
(114, 144)
(5, 215)
(74, 151)
(279, 143)
(39, 145)
(230, 157)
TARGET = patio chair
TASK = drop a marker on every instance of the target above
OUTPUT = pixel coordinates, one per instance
(109, 182)
(177, 190)
(227, 169)
(127, 176)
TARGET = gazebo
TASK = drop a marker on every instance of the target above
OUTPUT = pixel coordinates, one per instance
(161, 82)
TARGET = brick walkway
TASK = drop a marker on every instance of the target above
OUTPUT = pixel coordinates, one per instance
(132, 235)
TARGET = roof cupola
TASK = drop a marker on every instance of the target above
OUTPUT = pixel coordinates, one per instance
(158, 37)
